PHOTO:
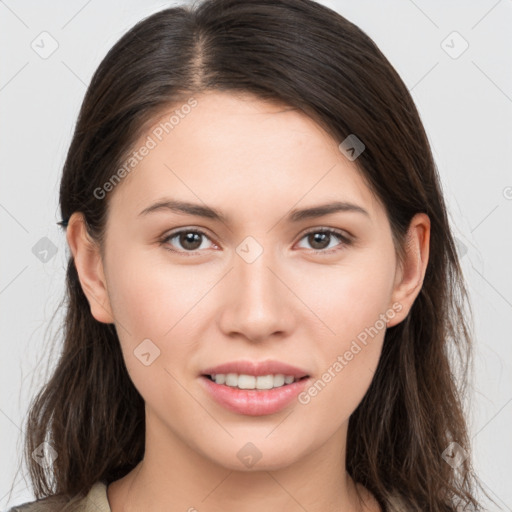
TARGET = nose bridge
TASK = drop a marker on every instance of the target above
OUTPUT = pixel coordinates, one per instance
(258, 306)
(257, 282)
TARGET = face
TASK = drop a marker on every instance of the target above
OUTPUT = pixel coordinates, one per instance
(188, 292)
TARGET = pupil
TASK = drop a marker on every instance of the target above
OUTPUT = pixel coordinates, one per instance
(193, 240)
(188, 238)
(316, 238)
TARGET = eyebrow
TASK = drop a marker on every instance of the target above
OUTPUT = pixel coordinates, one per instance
(295, 215)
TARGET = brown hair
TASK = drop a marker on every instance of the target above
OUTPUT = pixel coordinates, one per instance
(307, 56)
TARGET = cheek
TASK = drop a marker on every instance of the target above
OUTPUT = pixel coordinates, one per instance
(353, 304)
(348, 298)
(335, 394)
(149, 296)
(153, 301)
(348, 361)
(156, 301)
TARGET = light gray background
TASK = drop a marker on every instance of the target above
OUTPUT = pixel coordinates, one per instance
(465, 104)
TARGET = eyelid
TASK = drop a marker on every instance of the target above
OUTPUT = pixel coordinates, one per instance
(325, 229)
(173, 233)
(345, 237)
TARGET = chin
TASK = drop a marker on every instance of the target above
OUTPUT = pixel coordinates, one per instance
(252, 454)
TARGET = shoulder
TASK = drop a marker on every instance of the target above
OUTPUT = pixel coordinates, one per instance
(49, 503)
(95, 501)
(396, 503)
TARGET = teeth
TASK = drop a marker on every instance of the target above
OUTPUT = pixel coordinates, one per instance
(243, 381)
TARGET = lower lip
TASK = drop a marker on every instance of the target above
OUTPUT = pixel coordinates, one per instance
(253, 402)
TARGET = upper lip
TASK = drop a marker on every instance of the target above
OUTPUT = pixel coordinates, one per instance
(257, 368)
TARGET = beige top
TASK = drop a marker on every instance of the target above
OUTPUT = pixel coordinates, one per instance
(97, 501)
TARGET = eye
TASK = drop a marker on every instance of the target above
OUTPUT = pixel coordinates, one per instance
(189, 239)
(320, 240)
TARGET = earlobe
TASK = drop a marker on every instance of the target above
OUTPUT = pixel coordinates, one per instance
(89, 266)
(410, 275)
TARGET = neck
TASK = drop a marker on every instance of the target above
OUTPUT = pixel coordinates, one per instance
(174, 476)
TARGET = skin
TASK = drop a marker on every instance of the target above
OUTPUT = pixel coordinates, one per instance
(254, 161)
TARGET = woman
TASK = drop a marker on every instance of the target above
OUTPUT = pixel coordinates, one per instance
(263, 287)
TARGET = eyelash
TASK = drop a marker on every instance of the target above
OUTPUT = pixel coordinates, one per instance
(345, 241)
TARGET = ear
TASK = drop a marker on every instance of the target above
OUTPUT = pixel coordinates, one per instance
(410, 274)
(89, 266)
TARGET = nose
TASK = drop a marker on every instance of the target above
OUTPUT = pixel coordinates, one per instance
(258, 304)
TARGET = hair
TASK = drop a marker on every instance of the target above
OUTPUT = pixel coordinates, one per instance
(306, 56)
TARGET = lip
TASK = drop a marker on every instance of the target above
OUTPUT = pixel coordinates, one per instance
(251, 402)
(257, 368)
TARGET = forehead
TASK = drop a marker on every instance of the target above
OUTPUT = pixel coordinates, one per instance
(240, 151)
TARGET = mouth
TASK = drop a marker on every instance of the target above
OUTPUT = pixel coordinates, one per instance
(252, 395)
(253, 382)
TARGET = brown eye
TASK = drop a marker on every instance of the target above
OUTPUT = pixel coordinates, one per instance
(322, 239)
(319, 241)
(190, 240)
